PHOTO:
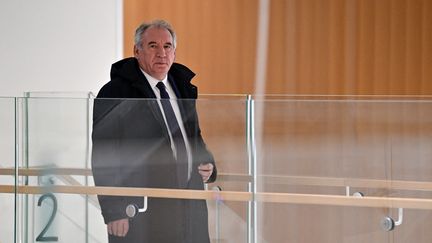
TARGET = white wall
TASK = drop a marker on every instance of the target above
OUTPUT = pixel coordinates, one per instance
(58, 45)
(53, 45)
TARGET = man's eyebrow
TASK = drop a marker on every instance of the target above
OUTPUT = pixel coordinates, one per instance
(154, 42)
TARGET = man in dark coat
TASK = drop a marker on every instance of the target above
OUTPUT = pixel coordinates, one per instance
(134, 146)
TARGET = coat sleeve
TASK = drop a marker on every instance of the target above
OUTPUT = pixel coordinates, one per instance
(106, 161)
(204, 155)
(201, 153)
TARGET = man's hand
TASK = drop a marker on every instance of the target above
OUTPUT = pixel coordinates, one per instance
(205, 170)
(118, 227)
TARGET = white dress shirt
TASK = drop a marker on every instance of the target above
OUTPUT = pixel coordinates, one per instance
(173, 99)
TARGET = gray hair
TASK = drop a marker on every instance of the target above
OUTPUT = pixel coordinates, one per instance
(157, 24)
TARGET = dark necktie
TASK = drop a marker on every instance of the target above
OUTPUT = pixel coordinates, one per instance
(177, 137)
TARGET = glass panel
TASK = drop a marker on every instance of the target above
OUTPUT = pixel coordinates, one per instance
(131, 148)
(309, 149)
(411, 158)
(57, 139)
(312, 156)
(224, 126)
(365, 151)
(7, 171)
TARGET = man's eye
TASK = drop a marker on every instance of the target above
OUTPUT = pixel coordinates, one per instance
(152, 46)
(168, 47)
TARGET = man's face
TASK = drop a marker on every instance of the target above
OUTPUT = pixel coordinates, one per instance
(156, 53)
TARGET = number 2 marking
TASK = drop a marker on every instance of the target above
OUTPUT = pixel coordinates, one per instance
(41, 236)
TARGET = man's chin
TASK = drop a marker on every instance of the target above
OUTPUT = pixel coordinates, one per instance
(162, 69)
(161, 65)
(160, 73)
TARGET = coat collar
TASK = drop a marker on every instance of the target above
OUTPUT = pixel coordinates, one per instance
(179, 77)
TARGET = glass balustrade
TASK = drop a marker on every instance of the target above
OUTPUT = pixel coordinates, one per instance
(290, 169)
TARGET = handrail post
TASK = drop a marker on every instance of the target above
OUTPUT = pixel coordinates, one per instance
(252, 170)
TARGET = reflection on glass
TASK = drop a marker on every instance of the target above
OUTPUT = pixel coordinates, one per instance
(313, 155)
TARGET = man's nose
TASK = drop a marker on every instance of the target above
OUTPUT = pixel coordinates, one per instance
(160, 52)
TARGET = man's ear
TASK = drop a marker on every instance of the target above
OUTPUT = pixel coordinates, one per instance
(135, 51)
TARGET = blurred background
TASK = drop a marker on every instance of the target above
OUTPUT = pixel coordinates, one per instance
(235, 46)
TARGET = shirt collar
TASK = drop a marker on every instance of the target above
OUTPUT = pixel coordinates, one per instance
(153, 81)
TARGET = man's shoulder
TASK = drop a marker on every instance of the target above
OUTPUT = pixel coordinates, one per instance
(116, 88)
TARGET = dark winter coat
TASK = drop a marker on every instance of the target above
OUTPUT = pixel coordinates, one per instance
(131, 148)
